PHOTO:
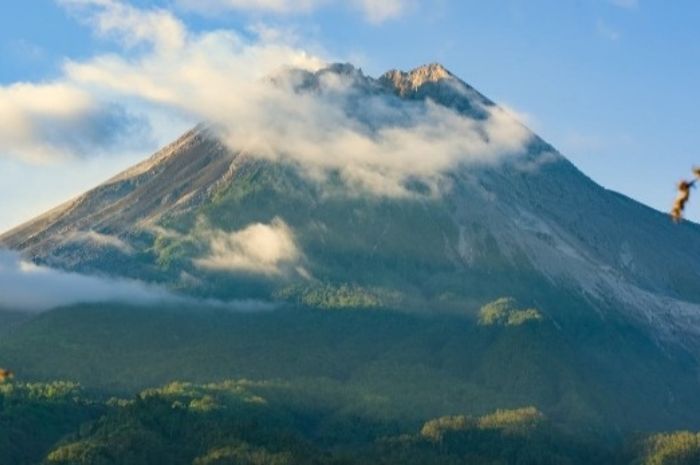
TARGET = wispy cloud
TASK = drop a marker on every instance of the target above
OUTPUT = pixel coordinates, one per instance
(380, 140)
(259, 248)
(95, 238)
(606, 31)
(222, 77)
(375, 11)
(49, 121)
(270, 6)
(25, 286)
(132, 26)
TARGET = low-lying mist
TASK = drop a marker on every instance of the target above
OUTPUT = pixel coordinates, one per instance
(27, 287)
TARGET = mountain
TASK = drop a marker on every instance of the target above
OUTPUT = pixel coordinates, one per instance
(574, 297)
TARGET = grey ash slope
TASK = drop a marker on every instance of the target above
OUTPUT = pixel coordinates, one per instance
(529, 224)
(179, 176)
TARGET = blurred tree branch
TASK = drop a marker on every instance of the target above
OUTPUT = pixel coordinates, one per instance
(683, 196)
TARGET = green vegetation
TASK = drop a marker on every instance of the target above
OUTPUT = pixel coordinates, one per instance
(343, 296)
(261, 423)
(342, 387)
(173, 251)
(375, 364)
(680, 448)
(362, 247)
(503, 312)
(512, 421)
(10, 320)
(35, 416)
(436, 429)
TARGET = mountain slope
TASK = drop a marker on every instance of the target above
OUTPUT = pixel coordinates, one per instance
(611, 283)
(530, 218)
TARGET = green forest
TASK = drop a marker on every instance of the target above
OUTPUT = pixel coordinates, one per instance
(274, 423)
(503, 385)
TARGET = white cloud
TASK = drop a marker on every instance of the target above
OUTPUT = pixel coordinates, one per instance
(375, 11)
(218, 76)
(43, 122)
(259, 248)
(272, 6)
(100, 240)
(25, 286)
(132, 25)
(374, 142)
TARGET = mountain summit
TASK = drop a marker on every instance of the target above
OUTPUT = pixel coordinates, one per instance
(410, 193)
(406, 82)
(470, 230)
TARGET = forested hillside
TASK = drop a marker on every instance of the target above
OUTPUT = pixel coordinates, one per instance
(267, 423)
(387, 364)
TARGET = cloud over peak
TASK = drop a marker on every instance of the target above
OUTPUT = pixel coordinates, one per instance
(344, 122)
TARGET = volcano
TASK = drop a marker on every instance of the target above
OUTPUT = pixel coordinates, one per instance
(589, 299)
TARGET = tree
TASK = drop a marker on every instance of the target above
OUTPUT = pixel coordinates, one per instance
(683, 196)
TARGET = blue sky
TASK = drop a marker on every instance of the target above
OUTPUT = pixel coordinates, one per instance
(613, 84)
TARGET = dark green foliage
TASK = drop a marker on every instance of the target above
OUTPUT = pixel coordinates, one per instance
(679, 448)
(270, 423)
(10, 320)
(377, 364)
(35, 416)
(505, 313)
(342, 296)
(232, 423)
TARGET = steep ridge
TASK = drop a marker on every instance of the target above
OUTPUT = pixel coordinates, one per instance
(177, 177)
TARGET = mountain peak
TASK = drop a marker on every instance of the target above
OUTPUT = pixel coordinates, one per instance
(409, 81)
(431, 72)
